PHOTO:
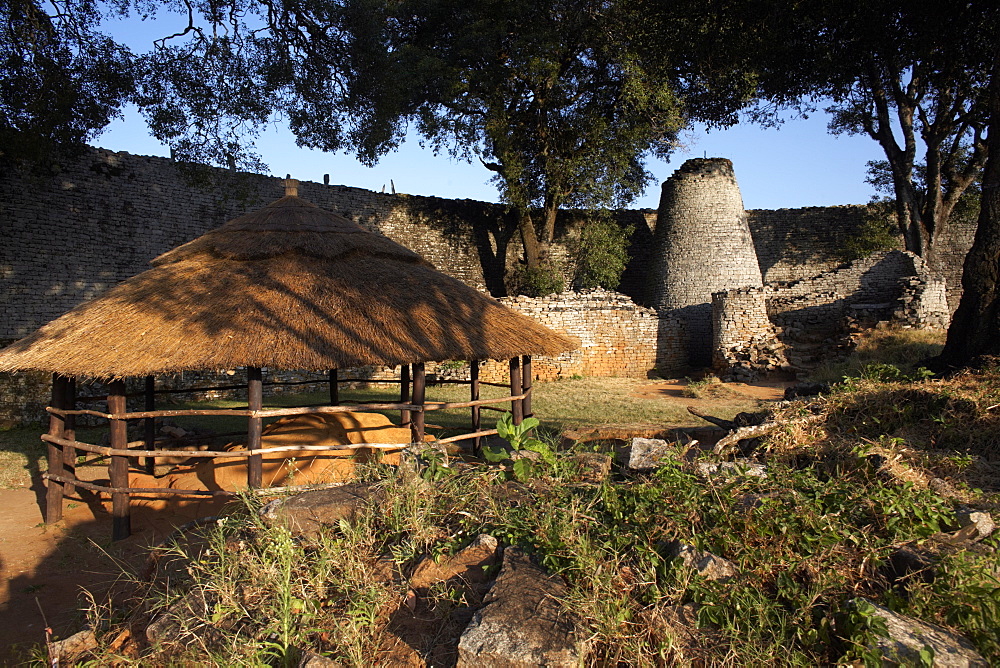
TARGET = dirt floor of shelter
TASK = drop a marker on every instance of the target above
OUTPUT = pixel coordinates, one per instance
(48, 570)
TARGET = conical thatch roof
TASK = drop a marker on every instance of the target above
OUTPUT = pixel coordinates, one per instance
(290, 286)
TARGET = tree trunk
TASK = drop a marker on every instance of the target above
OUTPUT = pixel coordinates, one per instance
(551, 211)
(975, 328)
(532, 249)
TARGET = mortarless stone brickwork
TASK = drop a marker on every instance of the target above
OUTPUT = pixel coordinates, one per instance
(744, 341)
(820, 302)
(98, 219)
(617, 337)
(755, 327)
(703, 246)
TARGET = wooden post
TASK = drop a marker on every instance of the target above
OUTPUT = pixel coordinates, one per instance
(255, 401)
(516, 408)
(121, 526)
(476, 412)
(69, 433)
(54, 489)
(150, 423)
(334, 388)
(419, 387)
(526, 385)
(404, 394)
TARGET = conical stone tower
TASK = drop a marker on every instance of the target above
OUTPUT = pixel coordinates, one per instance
(703, 245)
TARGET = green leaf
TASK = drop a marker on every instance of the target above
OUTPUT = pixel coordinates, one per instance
(523, 469)
(495, 453)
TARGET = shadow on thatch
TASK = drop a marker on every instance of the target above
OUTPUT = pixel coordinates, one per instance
(289, 286)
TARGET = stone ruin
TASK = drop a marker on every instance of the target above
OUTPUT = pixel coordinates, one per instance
(708, 278)
(709, 283)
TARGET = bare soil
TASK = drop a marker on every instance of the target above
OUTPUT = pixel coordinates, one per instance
(50, 572)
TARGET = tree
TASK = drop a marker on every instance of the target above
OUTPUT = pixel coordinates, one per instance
(552, 97)
(61, 80)
(975, 327)
(901, 75)
(238, 65)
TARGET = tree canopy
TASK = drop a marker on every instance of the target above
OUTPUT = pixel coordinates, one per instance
(552, 97)
(913, 79)
(61, 80)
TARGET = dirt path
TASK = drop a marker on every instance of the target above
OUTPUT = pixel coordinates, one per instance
(49, 567)
(673, 390)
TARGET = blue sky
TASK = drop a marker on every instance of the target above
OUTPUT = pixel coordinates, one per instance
(795, 165)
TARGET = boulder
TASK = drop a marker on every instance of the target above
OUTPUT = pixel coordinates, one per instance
(522, 621)
(908, 637)
(706, 564)
(976, 524)
(591, 466)
(306, 513)
(645, 454)
(68, 650)
(313, 660)
(183, 618)
(740, 467)
(479, 553)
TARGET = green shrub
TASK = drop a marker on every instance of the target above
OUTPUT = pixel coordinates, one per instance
(602, 254)
(878, 231)
(540, 281)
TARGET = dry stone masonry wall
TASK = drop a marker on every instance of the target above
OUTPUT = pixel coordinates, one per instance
(72, 232)
(617, 337)
(102, 218)
(745, 344)
(703, 246)
(759, 330)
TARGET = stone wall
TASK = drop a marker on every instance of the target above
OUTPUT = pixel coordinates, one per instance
(102, 218)
(617, 337)
(820, 302)
(759, 330)
(72, 232)
(744, 341)
(703, 245)
(797, 243)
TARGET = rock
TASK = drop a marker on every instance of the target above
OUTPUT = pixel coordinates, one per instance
(68, 650)
(740, 467)
(591, 466)
(679, 623)
(173, 431)
(908, 636)
(705, 564)
(182, 618)
(306, 513)
(477, 554)
(982, 523)
(805, 390)
(943, 488)
(522, 622)
(313, 660)
(920, 557)
(644, 454)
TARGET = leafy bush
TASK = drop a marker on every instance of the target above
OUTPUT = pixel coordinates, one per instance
(540, 281)
(878, 231)
(602, 254)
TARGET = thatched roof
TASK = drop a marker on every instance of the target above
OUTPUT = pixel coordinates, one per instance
(290, 286)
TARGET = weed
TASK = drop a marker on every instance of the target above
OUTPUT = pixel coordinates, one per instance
(521, 442)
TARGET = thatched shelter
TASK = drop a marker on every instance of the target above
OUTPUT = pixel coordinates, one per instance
(289, 286)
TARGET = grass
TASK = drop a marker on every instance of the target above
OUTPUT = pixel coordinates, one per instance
(814, 535)
(561, 405)
(905, 349)
(891, 458)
